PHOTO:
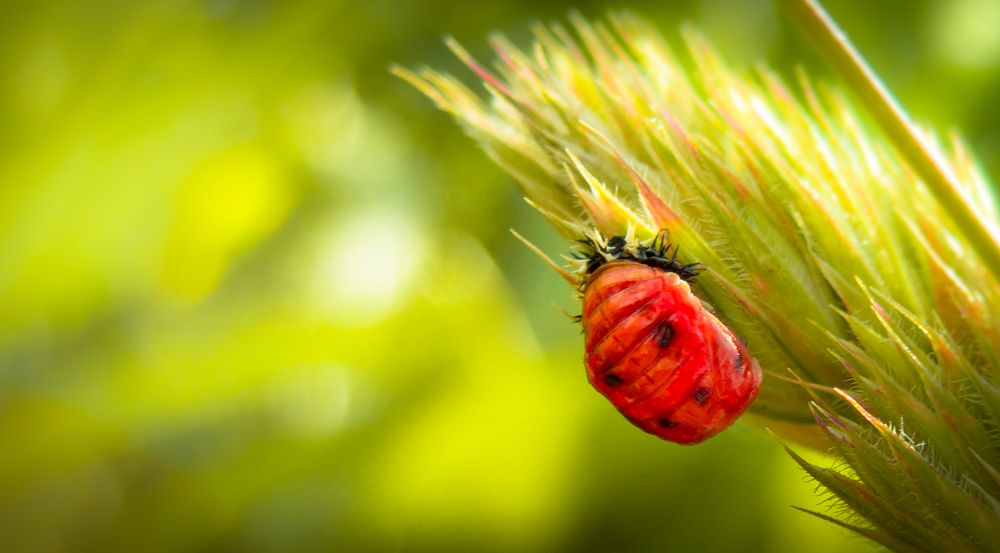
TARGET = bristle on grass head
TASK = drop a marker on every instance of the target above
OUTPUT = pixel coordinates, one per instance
(656, 252)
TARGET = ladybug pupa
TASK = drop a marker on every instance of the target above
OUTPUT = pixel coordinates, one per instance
(653, 349)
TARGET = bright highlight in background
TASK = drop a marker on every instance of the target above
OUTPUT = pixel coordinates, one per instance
(965, 32)
(367, 263)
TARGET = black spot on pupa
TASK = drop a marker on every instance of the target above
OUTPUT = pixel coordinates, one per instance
(612, 380)
(701, 395)
(666, 423)
(664, 334)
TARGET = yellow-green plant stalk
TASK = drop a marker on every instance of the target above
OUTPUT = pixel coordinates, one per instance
(862, 293)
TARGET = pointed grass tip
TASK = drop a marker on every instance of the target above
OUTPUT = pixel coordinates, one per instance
(566, 275)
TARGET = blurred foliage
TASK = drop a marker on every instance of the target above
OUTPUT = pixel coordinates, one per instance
(255, 295)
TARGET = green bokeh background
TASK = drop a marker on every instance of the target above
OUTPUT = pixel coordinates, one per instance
(256, 294)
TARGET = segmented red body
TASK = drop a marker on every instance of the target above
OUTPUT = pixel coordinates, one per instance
(663, 360)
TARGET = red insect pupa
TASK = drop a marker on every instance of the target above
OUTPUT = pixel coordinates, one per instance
(654, 350)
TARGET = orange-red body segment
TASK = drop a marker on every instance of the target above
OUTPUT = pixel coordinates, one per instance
(660, 357)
